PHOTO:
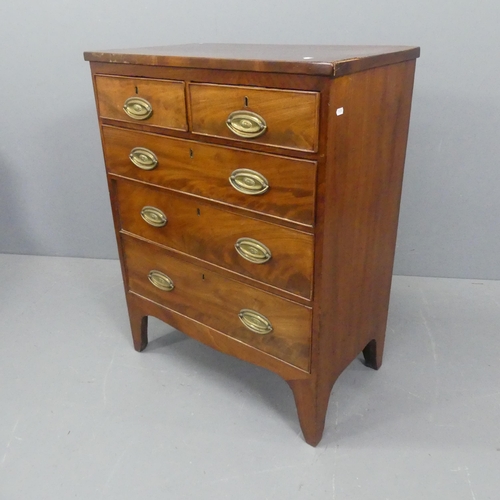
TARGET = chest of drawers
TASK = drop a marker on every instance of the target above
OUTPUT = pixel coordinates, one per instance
(255, 193)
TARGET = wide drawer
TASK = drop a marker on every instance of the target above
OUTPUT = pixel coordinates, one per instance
(190, 226)
(275, 117)
(267, 322)
(273, 185)
(138, 100)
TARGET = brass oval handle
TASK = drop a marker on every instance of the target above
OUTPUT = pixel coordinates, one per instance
(255, 321)
(154, 216)
(138, 108)
(246, 124)
(253, 250)
(161, 280)
(143, 158)
(248, 181)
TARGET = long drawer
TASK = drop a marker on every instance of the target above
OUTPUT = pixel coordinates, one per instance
(267, 322)
(139, 100)
(269, 184)
(276, 255)
(284, 118)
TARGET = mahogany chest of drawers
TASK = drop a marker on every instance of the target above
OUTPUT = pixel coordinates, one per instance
(255, 193)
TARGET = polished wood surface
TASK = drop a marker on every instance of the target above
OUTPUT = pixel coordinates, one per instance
(166, 98)
(291, 117)
(203, 231)
(140, 308)
(204, 170)
(327, 60)
(234, 78)
(358, 206)
(215, 301)
(331, 281)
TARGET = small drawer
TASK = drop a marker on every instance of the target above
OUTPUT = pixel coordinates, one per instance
(273, 185)
(263, 251)
(138, 100)
(283, 118)
(259, 319)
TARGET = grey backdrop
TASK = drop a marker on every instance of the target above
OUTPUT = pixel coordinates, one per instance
(53, 198)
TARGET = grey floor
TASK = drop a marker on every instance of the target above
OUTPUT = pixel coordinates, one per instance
(82, 415)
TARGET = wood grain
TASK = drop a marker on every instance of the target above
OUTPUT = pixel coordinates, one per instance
(358, 206)
(140, 308)
(341, 271)
(291, 117)
(166, 97)
(241, 78)
(208, 233)
(215, 301)
(326, 60)
(204, 170)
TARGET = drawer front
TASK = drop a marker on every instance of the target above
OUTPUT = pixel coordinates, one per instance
(218, 302)
(211, 234)
(138, 100)
(282, 118)
(206, 171)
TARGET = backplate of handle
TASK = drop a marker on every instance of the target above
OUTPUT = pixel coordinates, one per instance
(138, 108)
(143, 158)
(255, 321)
(153, 216)
(246, 124)
(161, 280)
(253, 250)
(248, 181)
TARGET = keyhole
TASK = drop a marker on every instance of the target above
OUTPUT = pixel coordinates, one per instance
(191, 153)
(246, 102)
(198, 211)
(136, 90)
(203, 277)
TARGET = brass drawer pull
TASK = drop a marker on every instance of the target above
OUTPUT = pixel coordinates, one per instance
(161, 280)
(143, 158)
(255, 321)
(154, 216)
(248, 181)
(138, 108)
(246, 124)
(253, 250)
